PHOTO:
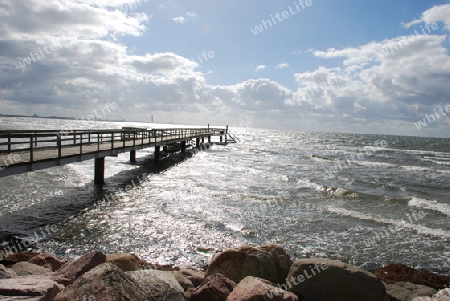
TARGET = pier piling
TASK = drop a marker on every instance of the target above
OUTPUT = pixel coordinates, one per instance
(99, 171)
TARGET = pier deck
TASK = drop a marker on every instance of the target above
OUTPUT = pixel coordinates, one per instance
(24, 151)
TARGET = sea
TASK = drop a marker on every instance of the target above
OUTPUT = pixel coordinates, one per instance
(367, 200)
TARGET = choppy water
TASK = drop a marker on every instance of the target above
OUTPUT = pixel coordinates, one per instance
(318, 194)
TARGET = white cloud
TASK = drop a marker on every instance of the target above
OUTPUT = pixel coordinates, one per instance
(183, 19)
(260, 67)
(179, 19)
(283, 66)
(438, 13)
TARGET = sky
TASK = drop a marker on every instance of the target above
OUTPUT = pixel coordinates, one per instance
(357, 66)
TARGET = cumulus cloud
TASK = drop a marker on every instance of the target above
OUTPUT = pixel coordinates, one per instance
(438, 13)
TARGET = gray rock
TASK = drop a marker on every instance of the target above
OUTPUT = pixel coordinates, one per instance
(19, 298)
(31, 286)
(25, 269)
(270, 262)
(6, 273)
(159, 285)
(442, 295)
(407, 291)
(323, 279)
(108, 282)
(257, 289)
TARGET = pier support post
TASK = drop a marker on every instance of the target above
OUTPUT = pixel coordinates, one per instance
(209, 139)
(203, 139)
(221, 139)
(157, 152)
(133, 156)
(165, 148)
(197, 142)
(183, 147)
(99, 171)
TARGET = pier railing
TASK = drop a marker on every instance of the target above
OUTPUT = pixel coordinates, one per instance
(26, 141)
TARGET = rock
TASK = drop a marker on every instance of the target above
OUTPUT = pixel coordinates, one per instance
(76, 268)
(442, 295)
(32, 286)
(396, 272)
(6, 273)
(268, 262)
(407, 291)
(215, 287)
(257, 289)
(182, 280)
(159, 285)
(26, 269)
(102, 283)
(126, 262)
(323, 279)
(19, 298)
(47, 260)
(108, 282)
(194, 275)
(18, 257)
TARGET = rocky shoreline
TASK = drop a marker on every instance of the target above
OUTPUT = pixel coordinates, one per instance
(241, 274)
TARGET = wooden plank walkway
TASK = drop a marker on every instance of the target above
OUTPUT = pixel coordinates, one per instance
(23, 151)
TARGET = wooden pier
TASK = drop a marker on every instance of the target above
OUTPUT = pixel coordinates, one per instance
(24, 151)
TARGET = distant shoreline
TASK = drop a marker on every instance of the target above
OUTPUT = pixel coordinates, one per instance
(63, 118)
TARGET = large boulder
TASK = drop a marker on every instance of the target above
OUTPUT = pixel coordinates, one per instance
(26, 269)
(215, 287)
(74, 269)
(158, 285)
(257, 289)
(442, 295)
(407, 291)
(108, 282)
(30, 286)
(397, 272)
(126, 262)
(47, 260)
(270, 262)
(324, 279)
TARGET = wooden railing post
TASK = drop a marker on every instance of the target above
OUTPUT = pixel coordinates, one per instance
(31, 148)
(58, 137)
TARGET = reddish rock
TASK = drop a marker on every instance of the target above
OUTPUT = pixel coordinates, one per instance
(270, 262)
(257, 289)
(17, 257)
(47, 260)
(396, 272)
(215, 287)
(74, 269)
